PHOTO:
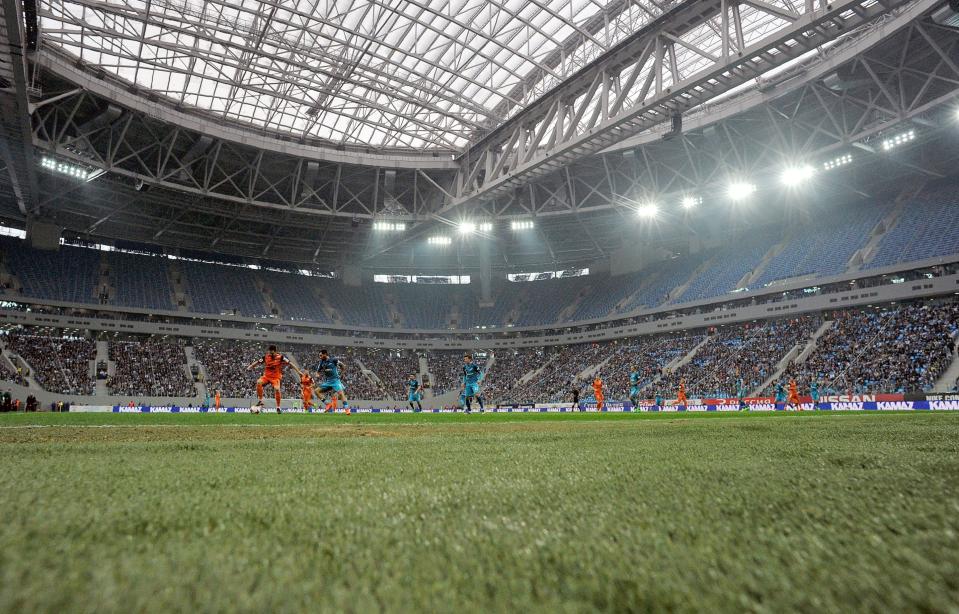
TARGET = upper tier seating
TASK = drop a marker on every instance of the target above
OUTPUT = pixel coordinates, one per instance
(297, 296)
(825, 247)
(223, 289)
(140, 281)
(928, 228)
(729, 265)
(68, 274)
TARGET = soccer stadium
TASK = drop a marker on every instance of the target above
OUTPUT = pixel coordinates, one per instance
(479, 305)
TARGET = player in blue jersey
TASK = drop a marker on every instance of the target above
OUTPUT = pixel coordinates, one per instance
(780, 398)
(741, 394)
(814, 393)
(415, 392)
(634, 387)
(329, 371)
(472, 376)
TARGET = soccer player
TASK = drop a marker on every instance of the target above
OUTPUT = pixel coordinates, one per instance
(681, 395)
(598, 393)
(741, 394)
(814, 393)
(273, 364)
(415, 393)
(780, 395)
(472, 375)
(658, 399)
(574, 390)
(216, 400)
(794, 395)
(634, 387)
(329, 369)
(306, 390)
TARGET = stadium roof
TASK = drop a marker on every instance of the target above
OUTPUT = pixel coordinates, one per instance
(417, 74)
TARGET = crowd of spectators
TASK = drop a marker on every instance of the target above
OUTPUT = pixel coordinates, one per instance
(507, 370)
(750, 352)
(650, 356)
(150, 368)
(226, 363)
(560, 369)
(446, 370)
(60, 363)
(387, 366)
(8, 374)
(895, 348)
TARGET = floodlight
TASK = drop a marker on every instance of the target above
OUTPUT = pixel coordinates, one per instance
(467, 228)
(842, 160)
(690, 202)
(796, 175)
(897, 140)
(740, 190)
(648, 211)
(389, 226)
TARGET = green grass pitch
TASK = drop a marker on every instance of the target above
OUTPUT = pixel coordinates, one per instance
(442, 513)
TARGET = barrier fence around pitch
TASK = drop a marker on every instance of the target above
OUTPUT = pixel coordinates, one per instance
(925, 405)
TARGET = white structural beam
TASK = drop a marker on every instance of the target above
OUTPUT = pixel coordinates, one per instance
(16, 140)
(528, 146)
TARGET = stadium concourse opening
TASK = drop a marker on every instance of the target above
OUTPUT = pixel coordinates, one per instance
(552, 305)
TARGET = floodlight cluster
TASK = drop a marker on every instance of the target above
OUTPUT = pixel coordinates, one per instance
(521, 225)
(691, 202)
(740, 190)
(898, 140)
(439, 240)
(648, 211)
(795, 176)
(389, 226)
(842, 160)
(65, 168)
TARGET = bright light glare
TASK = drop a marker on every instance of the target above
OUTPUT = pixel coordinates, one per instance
(897, 140)
(797, 175)
(690, 202)
(439, 241)
(65, 168)
(467, 228)
(740, 190)
(521, 225)
(837, 162)
(648, 211)
(389, 226)
(486, 227)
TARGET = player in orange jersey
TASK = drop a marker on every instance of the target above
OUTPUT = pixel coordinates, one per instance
(216, 400)
(794, 395)
(681, 395)
(306, 388)
(598, 393)
(273, 364)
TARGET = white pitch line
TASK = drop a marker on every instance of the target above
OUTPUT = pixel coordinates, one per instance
(394, 424)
